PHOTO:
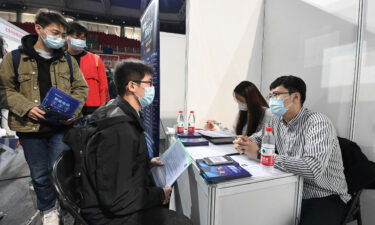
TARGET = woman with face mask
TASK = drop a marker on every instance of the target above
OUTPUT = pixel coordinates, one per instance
(253, 112)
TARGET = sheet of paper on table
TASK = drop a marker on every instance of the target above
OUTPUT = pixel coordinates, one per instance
(255, 168)
(216, 134)
(200, 152)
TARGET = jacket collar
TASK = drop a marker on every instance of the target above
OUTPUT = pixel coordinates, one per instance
(129, 110)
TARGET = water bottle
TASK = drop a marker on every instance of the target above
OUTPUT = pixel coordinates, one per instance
(267, 152)
(180, 122)
(191, 122)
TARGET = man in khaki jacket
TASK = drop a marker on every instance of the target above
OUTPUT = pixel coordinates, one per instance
(42, 65)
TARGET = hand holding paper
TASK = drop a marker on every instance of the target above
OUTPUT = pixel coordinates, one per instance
(175, 161)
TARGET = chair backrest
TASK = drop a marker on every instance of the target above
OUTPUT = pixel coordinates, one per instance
(359, 171)
(64, 183)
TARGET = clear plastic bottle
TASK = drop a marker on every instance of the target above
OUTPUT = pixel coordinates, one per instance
(180, 122)
(191, 122)
(267, 152)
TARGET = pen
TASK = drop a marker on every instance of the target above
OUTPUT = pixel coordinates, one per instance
(237, 153)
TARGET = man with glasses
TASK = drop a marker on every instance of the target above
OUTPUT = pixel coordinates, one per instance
(42, 65)
(117, 187)
(91, 66)
(307, 145)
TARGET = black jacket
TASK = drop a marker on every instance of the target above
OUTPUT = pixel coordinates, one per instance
(359, 171)
(117, 180)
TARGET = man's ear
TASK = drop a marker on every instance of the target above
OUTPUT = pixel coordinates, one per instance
(297, 97)
(130, 87)
(38, 28)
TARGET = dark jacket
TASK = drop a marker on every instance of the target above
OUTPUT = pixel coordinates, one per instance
(359, 171)
(117, 181)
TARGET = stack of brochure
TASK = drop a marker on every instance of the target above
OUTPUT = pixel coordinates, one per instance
(220, 173)
(192, 139)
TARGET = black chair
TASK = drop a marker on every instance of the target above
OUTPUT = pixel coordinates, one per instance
(64, 183)
(354, 209)
(359, 174)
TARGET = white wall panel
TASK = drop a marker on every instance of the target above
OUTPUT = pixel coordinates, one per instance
(315, 40)
(172, 74)
(224, 48)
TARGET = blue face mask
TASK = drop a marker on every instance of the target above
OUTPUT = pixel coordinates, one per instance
(148, 98)
(53, 42)
(277, 106)
(77, 44)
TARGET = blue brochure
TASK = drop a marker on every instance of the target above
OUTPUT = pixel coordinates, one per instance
(219, 173)
(58, 106)
(194, 141)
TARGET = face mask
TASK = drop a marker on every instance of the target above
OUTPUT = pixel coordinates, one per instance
(53, 42)
(242, 106)
(77, 44)
(148, 98)
(277, 106)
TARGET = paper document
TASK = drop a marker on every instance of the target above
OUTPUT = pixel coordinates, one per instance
(255, 168)
(175, 160)
(216, 134)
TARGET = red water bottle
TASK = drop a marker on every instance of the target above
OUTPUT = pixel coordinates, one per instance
(267, 152)
(180, 122)
(191, 122)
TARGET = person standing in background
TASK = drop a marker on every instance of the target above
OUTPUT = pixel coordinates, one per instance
(91, 66)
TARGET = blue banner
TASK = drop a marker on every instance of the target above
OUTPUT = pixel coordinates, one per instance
(150, 54)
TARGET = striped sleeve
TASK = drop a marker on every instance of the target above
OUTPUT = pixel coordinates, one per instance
(318, 149)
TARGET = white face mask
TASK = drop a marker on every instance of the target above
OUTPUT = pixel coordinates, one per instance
(242, 106)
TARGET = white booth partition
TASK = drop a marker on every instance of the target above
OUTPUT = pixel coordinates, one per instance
(364, 123)
(224, 46)
(315, 40)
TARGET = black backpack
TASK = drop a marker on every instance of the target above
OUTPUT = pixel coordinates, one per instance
(77, 138)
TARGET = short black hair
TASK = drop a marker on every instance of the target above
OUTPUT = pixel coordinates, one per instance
(77, 28)
(293, 84)
(45, 17)
(130, 70)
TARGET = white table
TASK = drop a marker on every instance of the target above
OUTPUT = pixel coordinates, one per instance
(269, 197)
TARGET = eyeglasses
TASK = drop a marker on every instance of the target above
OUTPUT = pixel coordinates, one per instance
(146, 82)
(57, 33)
(277, 94)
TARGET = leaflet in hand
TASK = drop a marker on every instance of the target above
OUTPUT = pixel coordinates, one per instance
(58, 106)
(175, 160)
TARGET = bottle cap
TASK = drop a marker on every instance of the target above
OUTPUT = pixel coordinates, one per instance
(180, 111)
(192, 111)
(269, 129)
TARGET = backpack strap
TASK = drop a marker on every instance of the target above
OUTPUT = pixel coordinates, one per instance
(69, 61)
(16, 58)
